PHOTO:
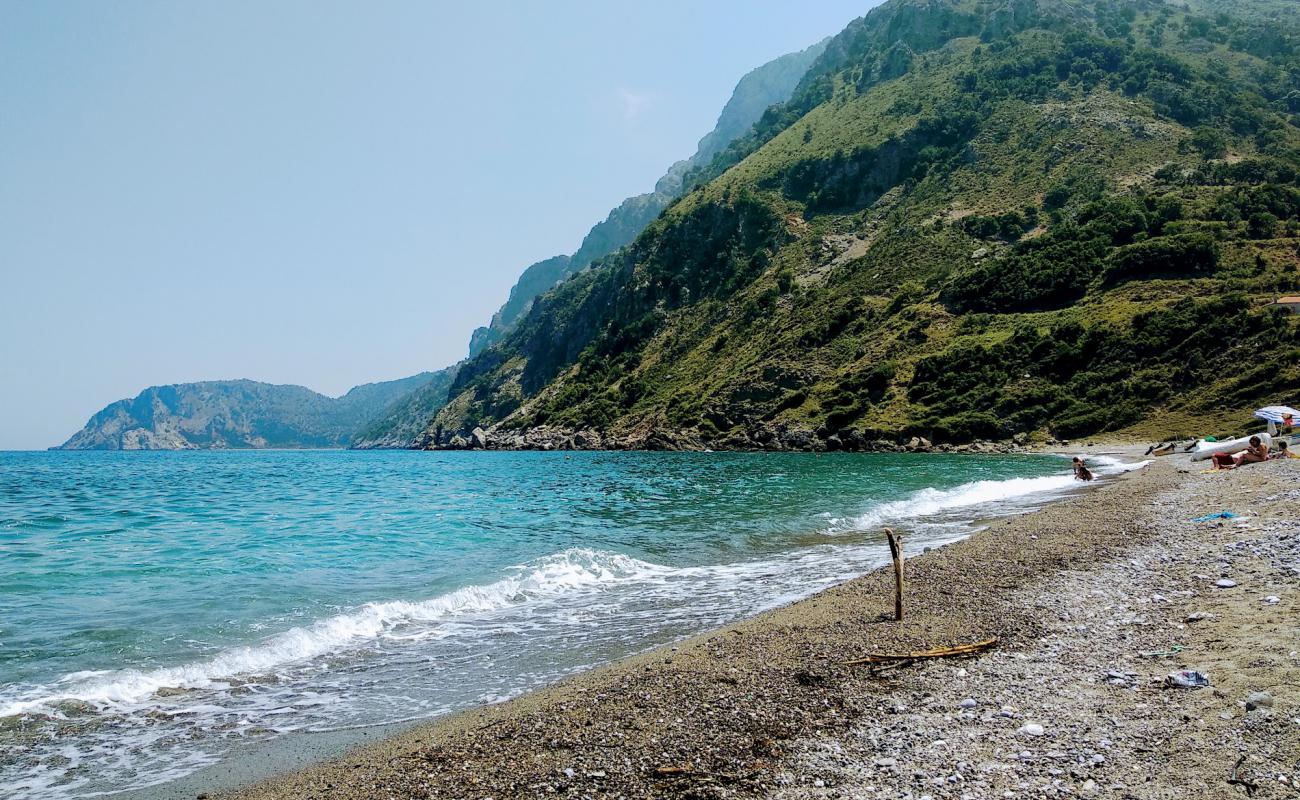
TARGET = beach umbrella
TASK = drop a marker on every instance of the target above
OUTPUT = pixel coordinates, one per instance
(1277, 415)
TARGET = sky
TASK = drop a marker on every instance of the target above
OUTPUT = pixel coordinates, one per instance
(322, 193)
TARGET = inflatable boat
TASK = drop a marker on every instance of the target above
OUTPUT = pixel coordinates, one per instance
(1206, 449)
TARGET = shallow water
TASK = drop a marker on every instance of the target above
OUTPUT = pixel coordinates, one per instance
(158, 608)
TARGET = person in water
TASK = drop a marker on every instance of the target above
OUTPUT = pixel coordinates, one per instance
(1254, 453)
(1081, 471)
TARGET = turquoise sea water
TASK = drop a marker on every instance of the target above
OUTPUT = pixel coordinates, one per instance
(158, 608)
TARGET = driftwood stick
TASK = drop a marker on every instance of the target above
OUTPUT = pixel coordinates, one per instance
(938, 652)
(896, 552)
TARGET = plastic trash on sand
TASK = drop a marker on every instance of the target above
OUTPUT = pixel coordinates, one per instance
(1220, 515)
(1187, 679)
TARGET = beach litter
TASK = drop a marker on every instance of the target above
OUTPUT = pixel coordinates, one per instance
(1221, 515)
(1187, 679)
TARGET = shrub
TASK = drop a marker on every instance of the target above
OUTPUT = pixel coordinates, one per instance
(1184, 255)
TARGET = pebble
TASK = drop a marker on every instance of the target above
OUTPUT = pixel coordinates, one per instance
(1225, 583)
(1258, 700)
(886, 762)
(969, 702)
(1272, 599)
(1032, 729)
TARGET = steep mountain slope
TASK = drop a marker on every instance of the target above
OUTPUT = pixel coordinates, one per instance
(757, 90)
(404, 419)
(973, 219)
(238, 414)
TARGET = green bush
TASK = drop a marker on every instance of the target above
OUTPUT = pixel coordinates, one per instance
(1185, 255)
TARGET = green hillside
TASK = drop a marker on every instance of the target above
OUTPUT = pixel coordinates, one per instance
(972, 220)
(397, 425)
(770, 83)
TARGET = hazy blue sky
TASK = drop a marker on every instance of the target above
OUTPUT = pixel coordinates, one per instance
(318, 193)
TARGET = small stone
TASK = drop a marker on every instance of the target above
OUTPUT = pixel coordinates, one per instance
(1089, 786)
(1272, 599)
(1032, 729)
(886, 762)
(568, 772)
(969, 702)
(1225, 583)
(1258, 700)
(1098, 758)
(1199, 616)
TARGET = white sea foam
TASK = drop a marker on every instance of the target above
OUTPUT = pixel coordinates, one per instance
(1109, 465)
(932, 502)
(572, 570)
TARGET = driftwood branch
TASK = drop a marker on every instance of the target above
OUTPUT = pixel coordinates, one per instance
(938, 652)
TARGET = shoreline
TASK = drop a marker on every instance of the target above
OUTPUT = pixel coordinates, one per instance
(250, 762)
(712, 701)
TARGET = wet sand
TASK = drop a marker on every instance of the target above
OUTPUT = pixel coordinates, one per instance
(768, 708)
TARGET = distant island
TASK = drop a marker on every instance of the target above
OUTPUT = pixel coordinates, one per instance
(245, 414)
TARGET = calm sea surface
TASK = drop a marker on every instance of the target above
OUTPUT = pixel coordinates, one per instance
(156, 609)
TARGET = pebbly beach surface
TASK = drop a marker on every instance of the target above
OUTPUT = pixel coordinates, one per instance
(1094, 601)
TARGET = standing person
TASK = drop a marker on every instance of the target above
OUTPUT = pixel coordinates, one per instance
(1081, 471)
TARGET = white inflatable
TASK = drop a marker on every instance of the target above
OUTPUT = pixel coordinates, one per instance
(1206, 449)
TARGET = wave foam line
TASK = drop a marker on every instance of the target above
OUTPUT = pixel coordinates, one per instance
(929, 502)
(575, 569)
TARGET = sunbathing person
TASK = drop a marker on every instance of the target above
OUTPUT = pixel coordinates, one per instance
(1254, 453)
(1283, 451)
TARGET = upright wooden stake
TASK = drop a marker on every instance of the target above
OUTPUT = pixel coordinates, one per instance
(896, 551)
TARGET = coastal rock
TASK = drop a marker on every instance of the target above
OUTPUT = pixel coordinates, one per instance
(478, 439)
(797, 439)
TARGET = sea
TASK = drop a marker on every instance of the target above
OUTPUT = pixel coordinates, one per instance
(161, 611)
